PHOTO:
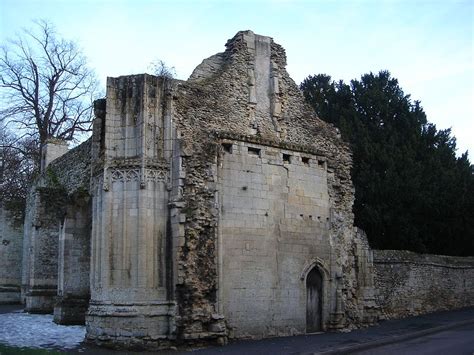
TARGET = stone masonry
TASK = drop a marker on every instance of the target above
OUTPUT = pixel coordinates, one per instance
(57, 233)
(213, 199)
(11, 244)
(410, 284)
(199, 211)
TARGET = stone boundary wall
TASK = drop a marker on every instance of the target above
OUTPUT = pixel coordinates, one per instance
(409, 284)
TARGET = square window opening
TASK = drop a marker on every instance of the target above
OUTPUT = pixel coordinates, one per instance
(254, 151)
(321, 163)
(305, 160)
(286, 158)
(227, 147)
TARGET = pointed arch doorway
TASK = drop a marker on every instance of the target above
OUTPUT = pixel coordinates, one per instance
(314, 296)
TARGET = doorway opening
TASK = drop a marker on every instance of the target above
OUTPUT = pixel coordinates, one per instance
(314, 295)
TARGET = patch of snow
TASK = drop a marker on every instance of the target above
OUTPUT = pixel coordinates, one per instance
(20, 329)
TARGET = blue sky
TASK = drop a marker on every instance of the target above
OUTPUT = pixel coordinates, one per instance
(427, 45)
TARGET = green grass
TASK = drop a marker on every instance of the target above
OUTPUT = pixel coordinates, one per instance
(9, 350)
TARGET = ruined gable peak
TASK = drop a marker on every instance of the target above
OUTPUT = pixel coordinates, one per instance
(245, 44)
(251, 42)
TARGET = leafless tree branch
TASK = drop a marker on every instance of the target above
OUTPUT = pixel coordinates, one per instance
(45, 84)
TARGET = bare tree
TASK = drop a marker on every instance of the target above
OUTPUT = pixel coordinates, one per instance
(161, 69)
(46, 88)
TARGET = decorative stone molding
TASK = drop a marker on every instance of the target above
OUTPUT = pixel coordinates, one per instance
(315, 262)
(134, 174)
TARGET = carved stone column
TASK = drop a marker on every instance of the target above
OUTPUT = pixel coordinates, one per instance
(129, 304)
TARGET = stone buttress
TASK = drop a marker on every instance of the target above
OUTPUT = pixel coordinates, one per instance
(56, 244)
(73, 292)
(129, 303)
(44, 211)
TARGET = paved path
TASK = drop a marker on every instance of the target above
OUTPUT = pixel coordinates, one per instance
(387, 332)
(340, 343)
(453, 341)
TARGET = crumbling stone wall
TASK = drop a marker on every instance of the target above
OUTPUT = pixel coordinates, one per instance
(409, 284)
(245, 94)
(157, 167)
(11, 245)
(167, 227)
(62, 180)
(71, 171)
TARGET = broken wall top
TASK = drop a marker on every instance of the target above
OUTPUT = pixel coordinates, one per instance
(71, 171)
(246, 91)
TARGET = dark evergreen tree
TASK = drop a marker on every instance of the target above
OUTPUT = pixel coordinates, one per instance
(411, 190)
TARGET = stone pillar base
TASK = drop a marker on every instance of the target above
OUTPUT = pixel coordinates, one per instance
(71, 310)
(40, 300)
(10, 294)
(147, 325)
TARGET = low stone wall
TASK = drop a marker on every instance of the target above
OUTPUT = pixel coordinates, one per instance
(409, 284)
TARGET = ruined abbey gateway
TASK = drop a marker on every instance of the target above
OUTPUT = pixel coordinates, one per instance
(201, 210)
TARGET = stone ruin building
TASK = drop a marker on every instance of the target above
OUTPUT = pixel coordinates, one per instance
(201, 210)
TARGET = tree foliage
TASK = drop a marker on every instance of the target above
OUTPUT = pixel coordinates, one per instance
(412, 192)
(47, 89)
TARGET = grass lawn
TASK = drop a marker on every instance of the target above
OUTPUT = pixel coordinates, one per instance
(9, 350)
